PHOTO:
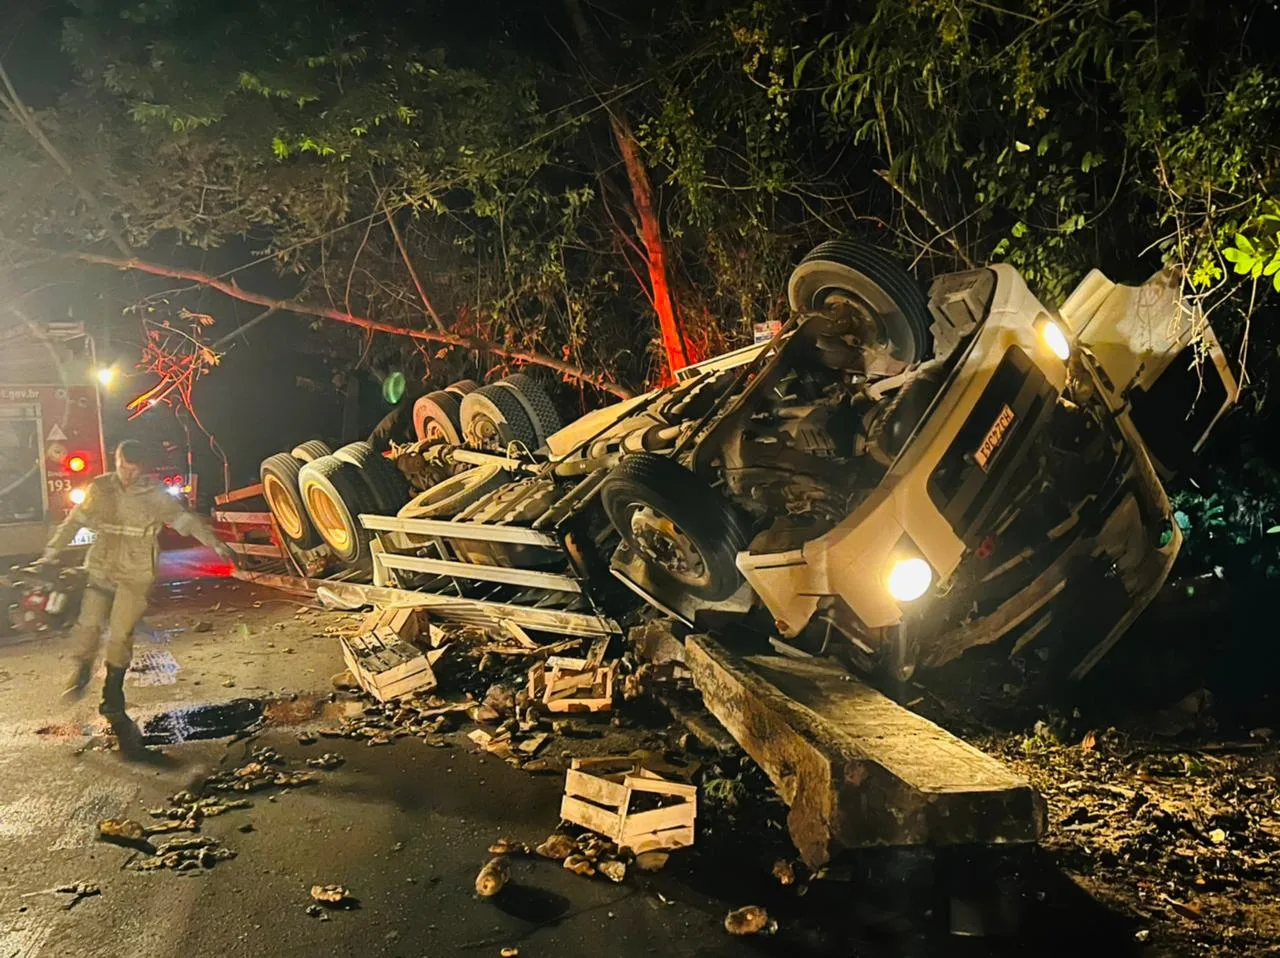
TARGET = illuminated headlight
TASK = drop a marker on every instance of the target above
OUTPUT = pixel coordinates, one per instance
(77, 496)
(909, 579)
(175, 491)
(1055, 338)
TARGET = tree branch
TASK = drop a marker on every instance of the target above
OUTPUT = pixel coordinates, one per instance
(413, 273)
(465, 342)
(927, 217)
(13, 103)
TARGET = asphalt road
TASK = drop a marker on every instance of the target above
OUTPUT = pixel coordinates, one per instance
(405, 827)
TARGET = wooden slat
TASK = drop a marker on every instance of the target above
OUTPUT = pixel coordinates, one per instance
(243, 518)
(235, 495)
(589, 816)
(599, 790)
(479, 531)
(486, 573)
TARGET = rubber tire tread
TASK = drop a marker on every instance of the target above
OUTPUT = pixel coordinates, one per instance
(700, 512)
(389, 487)
(445, 409)
(538, 405)
(889, 275)
(487, 399)
(286, 467)
(344, 483)
(462, 387)
(311, 450)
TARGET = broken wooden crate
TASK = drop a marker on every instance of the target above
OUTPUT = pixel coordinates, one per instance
(564, 684)
(382, 662)
(635, 808)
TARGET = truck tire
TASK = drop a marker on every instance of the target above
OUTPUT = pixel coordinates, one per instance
(437, 418)
(311, 450)
(279, 474)
(448, 498)
(384, 481)
(492, 418)
(847, 270)
(688, 533)
(462, 388)
(537, 405)
(335, 495)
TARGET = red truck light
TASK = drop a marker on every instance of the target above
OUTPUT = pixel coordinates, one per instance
(76, 463)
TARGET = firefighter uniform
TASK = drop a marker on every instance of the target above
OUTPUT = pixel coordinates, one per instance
(121, 563)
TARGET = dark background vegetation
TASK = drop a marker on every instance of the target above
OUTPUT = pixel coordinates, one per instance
(462, 170)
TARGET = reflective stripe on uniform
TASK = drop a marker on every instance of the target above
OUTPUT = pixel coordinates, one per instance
(111, 529)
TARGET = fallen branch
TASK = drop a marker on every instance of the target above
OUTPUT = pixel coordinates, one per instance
(925, 215)
(338, 316)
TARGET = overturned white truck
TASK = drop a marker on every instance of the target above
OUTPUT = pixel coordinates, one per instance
(893, 479)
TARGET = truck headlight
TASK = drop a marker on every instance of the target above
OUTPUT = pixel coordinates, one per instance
(909, 579)
(1055, 338)
(78, 496)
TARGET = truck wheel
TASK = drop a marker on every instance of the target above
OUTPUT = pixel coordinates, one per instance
(843, 270)
(279, 474)
(462, 387)
(437, 418)
(384, 481)
(688, 534)
(448, 498)
(492, 418)
(537, 405)
(311, 450)
(335, 495)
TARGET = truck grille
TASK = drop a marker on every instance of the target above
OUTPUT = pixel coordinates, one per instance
(975, 473)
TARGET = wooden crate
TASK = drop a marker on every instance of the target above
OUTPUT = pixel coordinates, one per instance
(571, 685)
(599, 795)
(386, 667)
(402, 623)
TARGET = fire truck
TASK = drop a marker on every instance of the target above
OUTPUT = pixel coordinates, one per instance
(51, 443)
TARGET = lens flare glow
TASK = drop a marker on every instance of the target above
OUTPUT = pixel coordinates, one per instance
(909, 579)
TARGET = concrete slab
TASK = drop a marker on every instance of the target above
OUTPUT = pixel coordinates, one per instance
(856, 769)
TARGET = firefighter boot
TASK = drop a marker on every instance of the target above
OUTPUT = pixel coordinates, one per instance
(77, 680)
(113, 693)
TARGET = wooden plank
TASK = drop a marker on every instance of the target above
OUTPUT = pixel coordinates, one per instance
(595, 789)
(652, 841)
(660, 786)
(481, 532)
(657, 820)
(243, 518)
(237, 495)
(526, 578)
(589, 816)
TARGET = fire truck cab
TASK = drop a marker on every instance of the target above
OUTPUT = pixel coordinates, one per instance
(51, 443)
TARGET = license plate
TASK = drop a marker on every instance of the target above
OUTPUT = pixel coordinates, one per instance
(995, 436)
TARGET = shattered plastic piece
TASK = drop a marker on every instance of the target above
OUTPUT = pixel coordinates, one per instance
(493, 877)
(557, 847)
(121, 829)
(749, 920)
(652, 861)
(1217, 836)
(330, 894)
(784, 871)
(580, 865)
(615, 871)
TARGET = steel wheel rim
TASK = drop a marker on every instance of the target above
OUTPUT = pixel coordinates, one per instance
(663, 544)
(328, 518)
(282, 507)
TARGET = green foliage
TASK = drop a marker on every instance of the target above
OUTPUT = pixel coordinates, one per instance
(1231, 524)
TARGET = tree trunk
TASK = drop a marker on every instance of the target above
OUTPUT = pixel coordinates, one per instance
(674, 345)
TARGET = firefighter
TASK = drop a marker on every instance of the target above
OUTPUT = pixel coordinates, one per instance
(126, 510)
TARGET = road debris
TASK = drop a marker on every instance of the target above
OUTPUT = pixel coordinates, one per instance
(493, 877)
(557, 847)
(384, 664)
(331, 896)
(652, 861)
(121, 831)
(328, 761)
(748, 920)
(185, 854)
(784, 871)
(78, 891)
(508, 846)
